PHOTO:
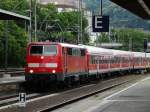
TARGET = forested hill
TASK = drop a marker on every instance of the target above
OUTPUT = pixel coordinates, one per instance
(119, 17)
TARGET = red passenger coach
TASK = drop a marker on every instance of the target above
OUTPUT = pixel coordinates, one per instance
(54, 61)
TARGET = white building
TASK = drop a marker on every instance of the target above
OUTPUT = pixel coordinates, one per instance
(64, 5)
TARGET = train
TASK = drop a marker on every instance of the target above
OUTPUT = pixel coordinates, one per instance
(54, 61)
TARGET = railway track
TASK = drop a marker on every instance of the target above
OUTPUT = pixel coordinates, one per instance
(49, 102)
(2, 98)
(94, 91)
(11, 99)
(83, 96)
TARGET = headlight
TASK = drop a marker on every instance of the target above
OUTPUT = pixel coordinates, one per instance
(42, 57)
(31, 71)
(53, 71)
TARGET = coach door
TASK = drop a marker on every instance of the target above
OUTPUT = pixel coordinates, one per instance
(97, 63)
(65, 60)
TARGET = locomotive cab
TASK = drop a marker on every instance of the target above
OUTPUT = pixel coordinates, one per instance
(42, 61)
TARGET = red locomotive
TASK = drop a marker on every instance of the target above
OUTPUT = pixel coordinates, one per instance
(60, 61)
(55, 61)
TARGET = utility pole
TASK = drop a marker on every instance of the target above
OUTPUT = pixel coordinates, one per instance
(35, 20)
(6, 45)
(101, 7)
(30, 26)
(79, 21)
(81, 39)
(145, 49)
(101, 13)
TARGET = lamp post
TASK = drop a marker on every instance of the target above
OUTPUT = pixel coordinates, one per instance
(80, 19)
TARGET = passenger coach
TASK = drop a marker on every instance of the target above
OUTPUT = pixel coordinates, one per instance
(49, 61)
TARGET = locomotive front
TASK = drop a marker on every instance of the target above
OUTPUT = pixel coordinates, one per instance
(42, 61)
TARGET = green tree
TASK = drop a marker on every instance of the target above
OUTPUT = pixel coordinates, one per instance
(63, 26)
(17, 36)
(46, 16)
(104, 37)
(69, 23)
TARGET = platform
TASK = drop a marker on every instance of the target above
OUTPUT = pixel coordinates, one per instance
(135, 98)
(8, 80)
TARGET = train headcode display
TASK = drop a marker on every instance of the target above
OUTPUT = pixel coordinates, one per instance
(100, 23)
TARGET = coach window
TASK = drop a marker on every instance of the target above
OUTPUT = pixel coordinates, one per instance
(105, 61)
(36, 50)
(73, 52)
(110, 60)
(113, 60)
(50, 50)
(90, 59)
(82, 52)
(137, 60)
(96, 61)
(69, 51)
(63, 50)
(124, 60)
(78, 52)
(117, 61)
(93, 59)
(100, 61)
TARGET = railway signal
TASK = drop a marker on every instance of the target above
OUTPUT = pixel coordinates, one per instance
(22, 99)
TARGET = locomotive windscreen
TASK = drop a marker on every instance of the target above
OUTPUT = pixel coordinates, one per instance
(43, 50)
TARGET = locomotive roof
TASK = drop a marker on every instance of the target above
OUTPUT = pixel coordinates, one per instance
(53, 43)
(71, 45)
